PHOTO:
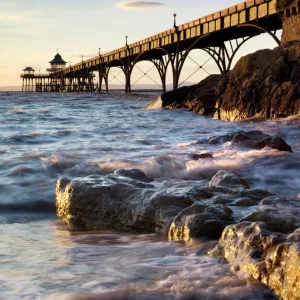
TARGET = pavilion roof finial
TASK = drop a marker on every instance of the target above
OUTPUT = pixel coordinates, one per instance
(57, 59)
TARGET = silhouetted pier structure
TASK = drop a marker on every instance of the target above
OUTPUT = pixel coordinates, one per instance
(220, 34)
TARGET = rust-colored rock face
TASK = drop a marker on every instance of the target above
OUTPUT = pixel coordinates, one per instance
(264, 84)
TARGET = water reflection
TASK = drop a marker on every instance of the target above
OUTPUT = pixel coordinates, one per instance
(43, 259)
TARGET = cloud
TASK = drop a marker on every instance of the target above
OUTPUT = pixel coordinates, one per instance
(138, 4)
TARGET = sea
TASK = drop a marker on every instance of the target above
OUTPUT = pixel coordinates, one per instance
(44, 137)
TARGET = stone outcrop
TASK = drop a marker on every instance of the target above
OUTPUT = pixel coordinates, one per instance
(200, 98)
(128, 200)
(203, 100)
(271, 257)
(252, 139)
(263, 85)
(227, 179)
(200, 220)
(266, 244)
(117, 202)
(260, 232)
(279, 214)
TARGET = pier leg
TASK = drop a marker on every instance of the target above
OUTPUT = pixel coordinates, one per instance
(103, 76)
(161, 65)
(128, 82)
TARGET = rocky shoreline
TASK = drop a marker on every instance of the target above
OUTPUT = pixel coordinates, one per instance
(259, 233)
(262, 85)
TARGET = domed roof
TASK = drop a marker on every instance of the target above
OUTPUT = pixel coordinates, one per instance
(57, 60)
(28, 69)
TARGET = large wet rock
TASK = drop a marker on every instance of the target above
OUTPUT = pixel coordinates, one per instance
(117, 202)
(200, 220)
(200, 98)
(128, 200)
(228, 179)
(203, 100)
(227, 189)
(273, 258)
(253, 139)
(266, 244)
(264, 84)
(176, 99)
(278, 213)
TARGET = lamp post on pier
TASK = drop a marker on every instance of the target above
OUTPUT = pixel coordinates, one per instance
(175, 26)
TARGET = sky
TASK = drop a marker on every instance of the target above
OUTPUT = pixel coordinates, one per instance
(32, 30)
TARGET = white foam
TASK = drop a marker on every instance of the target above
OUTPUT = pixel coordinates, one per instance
(155, 104)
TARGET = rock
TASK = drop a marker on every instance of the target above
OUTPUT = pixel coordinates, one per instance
(266, 244)
(203, 101)
(278, 213)
(262, 85)
(234, 201)
(279, 144)
(228, 179)
(110, 202)
(272, 258)
(135, 174)
(198, 193)
(176, 99)
(252, 139)
(223, 199)
(200, 220)
(200, 98)
(245, 202)
(201, 156)
(237, 192)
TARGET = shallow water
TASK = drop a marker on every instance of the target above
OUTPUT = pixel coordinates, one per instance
(44, 137)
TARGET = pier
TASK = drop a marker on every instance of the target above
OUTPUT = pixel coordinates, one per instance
(220, 34)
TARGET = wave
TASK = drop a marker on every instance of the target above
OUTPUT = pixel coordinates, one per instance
(58, 162)
(24, 137)
(155, 104)
(19, 110)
